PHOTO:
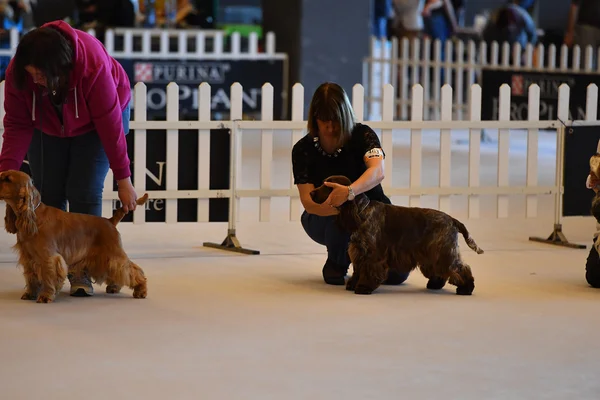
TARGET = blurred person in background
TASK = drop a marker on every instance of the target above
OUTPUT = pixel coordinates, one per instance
(583, 26)
(103, 14)
(381, 13)
(439, 20)
(167, 13)
(14, 15)
(408, 21)
(510, 23)
(528, 5)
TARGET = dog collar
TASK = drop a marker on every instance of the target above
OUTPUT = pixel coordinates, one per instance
(36, 207)
(363, 209)
(365, 206)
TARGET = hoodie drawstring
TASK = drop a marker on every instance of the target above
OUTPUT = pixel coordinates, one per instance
(76, 108)
(75, 101)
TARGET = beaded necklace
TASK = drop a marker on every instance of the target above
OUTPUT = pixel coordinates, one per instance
(317, 145)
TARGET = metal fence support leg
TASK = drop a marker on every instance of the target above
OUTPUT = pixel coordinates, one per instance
(557, 237)
(231, 242)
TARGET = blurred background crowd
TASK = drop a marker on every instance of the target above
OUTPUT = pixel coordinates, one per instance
(501, 20)
(102, 14)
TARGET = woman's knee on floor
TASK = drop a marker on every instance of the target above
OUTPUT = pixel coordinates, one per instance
(324, 230)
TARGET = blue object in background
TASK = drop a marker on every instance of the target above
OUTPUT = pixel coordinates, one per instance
(7, 25)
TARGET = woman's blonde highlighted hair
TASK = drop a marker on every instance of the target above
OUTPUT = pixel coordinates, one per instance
(330, 103)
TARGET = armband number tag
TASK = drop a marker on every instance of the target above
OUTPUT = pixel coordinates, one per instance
(374, 153)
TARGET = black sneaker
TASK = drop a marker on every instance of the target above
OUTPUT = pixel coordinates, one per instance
(334, 274)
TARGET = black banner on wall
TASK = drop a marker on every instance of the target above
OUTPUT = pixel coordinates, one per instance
(519, 82)
(581, 143)
(187, 178)
(220, 75)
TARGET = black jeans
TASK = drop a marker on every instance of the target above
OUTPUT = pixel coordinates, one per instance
(71, 169)
(324, 231)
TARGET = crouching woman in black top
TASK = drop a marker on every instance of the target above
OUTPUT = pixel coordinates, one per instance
(336, 145)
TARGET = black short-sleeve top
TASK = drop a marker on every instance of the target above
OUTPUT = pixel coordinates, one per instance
(310, 164)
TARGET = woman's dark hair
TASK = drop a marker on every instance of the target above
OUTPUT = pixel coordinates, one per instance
(330, 103)
(49, 51)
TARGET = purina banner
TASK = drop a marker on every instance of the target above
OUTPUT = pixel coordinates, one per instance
(519, 82)
(220, 75)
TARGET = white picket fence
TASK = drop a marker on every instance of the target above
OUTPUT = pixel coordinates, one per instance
(390, 131)
(403, 63)
(202, 44)
(206, 44)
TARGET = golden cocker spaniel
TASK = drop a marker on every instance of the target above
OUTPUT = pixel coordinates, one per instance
(51, 242)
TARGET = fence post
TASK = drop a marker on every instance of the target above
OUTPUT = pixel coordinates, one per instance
(231, 242)
(557, 237)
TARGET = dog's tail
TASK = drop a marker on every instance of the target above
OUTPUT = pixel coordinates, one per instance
(120, 213)
(463, 230)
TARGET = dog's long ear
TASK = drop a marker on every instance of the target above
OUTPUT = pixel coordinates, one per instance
(29, 198)
(10, 220)
(349, 219)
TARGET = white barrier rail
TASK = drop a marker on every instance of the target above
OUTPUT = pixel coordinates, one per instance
(388, 130)
(409, 135)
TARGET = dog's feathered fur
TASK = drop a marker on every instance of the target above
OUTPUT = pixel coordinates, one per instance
(51, 242)
(595, 172)
(401, 238)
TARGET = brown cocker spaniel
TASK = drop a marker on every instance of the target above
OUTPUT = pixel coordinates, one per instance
(51, 242)
(387, 236)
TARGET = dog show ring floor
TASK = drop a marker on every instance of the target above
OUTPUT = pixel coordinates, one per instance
(223, 325)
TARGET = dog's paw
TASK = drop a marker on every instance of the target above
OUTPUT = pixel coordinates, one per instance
(28, 296)
(465, 290)
(112, 289)
(436, 283)
(363, 290)
(44, 299)
(140, 293)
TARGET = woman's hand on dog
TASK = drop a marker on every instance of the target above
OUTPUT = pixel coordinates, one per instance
(127, 194)
(327, 210)
(338, 195)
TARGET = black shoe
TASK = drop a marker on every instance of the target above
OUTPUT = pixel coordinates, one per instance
(334, 274)
(395, 278)
(592, 268)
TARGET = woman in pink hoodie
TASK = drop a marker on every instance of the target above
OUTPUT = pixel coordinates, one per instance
(67, 108)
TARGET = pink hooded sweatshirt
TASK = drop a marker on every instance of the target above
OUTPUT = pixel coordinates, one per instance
(99, 92)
